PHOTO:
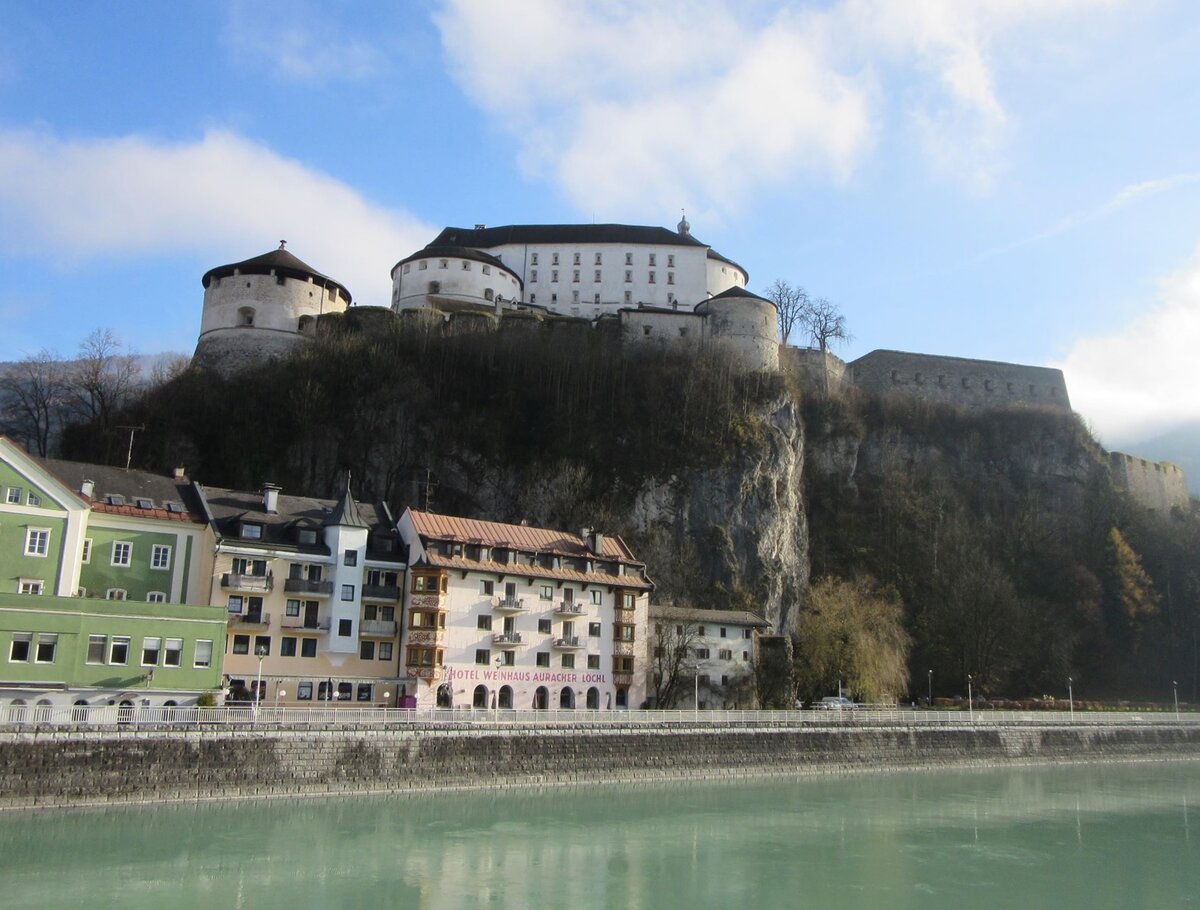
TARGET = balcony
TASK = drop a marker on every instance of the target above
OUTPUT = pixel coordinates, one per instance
(261, 620)
(509, 605)
(506, 639)
(567, 643)
(298, 622)
(304, 586)
(426, 636)
(381, 592)
(258, 583)
(570, 608)
(377, 627)
(622, 679)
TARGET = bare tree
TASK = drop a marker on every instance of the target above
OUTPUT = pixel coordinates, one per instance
(672, 658)
(791, 303)
(103, 379)
(32, 399)
(825, 323)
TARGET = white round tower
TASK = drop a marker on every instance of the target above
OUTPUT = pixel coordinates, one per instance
(261, 308)
(744, 324)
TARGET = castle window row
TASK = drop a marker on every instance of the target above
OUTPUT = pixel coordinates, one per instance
(989, 385)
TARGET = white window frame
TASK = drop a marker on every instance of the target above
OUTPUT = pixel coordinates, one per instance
(113, 642)
(103, 641)
(116, 594)
(34, 585)
(86, 558)
(14, 496)
(172, 646)
(160, 557)
(32, 499)
(32, 538)
(157, 650)
(121, 547)
(196, 661)
(156, 597)
(46, 638)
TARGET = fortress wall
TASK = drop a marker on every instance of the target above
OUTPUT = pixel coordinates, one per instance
(818, 369)
(49, 767)
(959, 381)
(1157, 485)
(229, 351)
(651, 326)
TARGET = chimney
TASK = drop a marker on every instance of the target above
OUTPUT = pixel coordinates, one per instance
(180, 473)
(270, 498)
(87, 488)
(596, 541)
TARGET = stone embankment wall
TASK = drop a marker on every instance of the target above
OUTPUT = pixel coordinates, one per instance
(1157, 485)
(48, 767)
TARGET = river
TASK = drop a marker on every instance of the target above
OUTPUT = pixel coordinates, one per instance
(1086, 836)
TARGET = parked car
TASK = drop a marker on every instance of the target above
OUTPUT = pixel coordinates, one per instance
(836, 703)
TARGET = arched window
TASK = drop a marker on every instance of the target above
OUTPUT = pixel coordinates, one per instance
(480, 698)
(541, 699)
(566, 698)
(79, 712)
(622, 698)
(16, 711)
(593, 699)
(445, 697)
(246, 315)
(506, 697)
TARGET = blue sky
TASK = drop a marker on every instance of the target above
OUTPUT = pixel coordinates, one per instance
(1003, 179)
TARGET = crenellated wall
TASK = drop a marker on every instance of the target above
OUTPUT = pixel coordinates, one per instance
(1157, 485)
(959, 381)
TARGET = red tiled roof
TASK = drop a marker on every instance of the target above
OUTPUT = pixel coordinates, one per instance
(528, 571)
(519, 537)
(135, 512)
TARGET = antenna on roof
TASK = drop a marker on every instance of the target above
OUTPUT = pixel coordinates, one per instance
(129, 452)
(428, 485)
(283, 244)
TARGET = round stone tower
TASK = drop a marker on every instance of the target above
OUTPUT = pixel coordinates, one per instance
(744, 324)
(261, 308)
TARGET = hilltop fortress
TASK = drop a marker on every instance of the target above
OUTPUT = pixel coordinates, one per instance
(653, 285)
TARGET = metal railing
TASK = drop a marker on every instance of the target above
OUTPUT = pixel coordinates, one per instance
(80, 716)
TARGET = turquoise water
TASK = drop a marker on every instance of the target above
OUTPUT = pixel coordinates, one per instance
(1121, 836)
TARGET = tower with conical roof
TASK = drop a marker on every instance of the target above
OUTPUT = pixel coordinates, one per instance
(262, 307)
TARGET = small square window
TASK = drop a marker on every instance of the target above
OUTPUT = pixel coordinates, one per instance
(543, 658)
(597, 596)
(47, 646)
(366, 649)
(594, 629)
(545, 626)
(173, 652)
(593, 661)
(304, 689)
(483, 657)
(262, 645)
(22, 645)
(487, 588)
(484, 622)
(14, 496)
(287, 646)
(568, 661)
(35, 500)
(350, 558)
(37, 541)
(308, 647)
(385, 650)
(345, 627)
(347, 592)
(97, 648)
(156, 597)
(292, 608)
(122, 553)
(241, 644)
(546, 593)
(118, 650)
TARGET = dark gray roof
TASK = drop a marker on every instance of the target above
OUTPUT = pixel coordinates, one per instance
(713, 254)
(279, 261)
(734, 293)
(131, 486)
(345, 514)
(563, 233)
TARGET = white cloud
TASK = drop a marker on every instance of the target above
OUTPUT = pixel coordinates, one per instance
(222, 195)
(643, 106)
(1141, 380)
(313, 52)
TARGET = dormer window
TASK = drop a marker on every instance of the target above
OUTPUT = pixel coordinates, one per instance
(145, 503)
(307, 536)
(173, 506)
(251, 530)
(115, 499)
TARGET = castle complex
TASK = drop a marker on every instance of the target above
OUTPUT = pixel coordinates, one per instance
(653, 285)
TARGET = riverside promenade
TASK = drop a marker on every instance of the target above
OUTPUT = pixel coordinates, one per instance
(97, 756)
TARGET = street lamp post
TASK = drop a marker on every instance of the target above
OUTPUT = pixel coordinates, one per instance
(929, 703)
(1175, 689)
(260, 652)
(970, 700)
(1071, 696)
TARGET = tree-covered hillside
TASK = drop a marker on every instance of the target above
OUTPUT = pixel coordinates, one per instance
(996, 540)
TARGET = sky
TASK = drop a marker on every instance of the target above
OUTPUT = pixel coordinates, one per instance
(1012, 180)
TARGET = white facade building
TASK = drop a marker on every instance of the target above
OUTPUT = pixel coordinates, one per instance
(584, 270)
(719, 650)
(508, 616)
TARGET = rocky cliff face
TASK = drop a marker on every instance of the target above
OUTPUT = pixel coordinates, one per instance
(743, 520)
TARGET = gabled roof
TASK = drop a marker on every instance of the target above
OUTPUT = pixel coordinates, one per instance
(279, 261)
(519, 537)
(130, 487)
(689, 614)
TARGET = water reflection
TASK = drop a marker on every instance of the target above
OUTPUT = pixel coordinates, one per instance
(1089, 836)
